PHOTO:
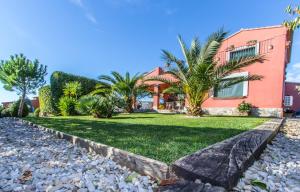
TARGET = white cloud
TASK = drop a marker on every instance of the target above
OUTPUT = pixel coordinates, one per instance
(91, 18)
(78, 3)
(89, 15)
(293, 77)
(296, 66)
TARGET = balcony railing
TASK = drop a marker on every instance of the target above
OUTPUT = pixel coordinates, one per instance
(264, 47)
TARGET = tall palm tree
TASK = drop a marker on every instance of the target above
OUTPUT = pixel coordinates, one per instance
(127, 87)
(199, 72)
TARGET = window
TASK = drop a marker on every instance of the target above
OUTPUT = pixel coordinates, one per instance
(236, 90)
(288, 101)
(243, 52)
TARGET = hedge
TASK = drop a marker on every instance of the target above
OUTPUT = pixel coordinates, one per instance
(59, 79)
(46, 100)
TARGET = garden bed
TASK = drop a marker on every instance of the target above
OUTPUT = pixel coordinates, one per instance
(163, 137)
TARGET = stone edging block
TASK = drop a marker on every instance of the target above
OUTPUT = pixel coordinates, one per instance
(140, 164)
(223, 163)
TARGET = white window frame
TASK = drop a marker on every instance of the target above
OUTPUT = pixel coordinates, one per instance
(245, 83)
(241, 48)
(290, 103)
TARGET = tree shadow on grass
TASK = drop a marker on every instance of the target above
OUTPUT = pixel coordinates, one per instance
(162, 142)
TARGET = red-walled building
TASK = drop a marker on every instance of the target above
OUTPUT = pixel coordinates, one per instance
(266, 95)
(34, 102)
(292, 97)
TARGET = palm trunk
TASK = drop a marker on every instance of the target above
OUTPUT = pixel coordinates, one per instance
(195, 110)
(21, 106)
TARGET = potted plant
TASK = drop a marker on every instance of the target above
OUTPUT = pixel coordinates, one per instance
(251, 42)
(245, 108)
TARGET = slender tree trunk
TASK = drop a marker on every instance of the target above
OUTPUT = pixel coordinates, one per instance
(21, 106)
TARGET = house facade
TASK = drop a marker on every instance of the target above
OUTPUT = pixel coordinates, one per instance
(267, 95)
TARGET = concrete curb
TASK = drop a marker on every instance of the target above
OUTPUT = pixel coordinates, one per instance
(223, 163)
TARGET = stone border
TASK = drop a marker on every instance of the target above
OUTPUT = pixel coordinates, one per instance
(140, 164)
(223, 163)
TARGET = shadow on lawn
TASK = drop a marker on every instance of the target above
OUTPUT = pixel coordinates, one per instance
(162, 142)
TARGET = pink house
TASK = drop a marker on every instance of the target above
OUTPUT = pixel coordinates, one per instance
(266, 95)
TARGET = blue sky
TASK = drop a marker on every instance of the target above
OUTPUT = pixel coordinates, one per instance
(94, 37)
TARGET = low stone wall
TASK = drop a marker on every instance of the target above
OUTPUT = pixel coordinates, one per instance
(140, 164)
(260, 112)
(223, 163)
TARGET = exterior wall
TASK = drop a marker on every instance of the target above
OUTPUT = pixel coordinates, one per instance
(233, 111)
(290, 90)
(268, 93)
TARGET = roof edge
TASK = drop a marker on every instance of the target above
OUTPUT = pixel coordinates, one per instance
(255, 28)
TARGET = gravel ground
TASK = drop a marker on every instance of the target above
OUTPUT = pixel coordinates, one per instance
(278, 168)
(33, 160)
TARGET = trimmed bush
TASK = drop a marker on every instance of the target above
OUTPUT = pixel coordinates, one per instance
(5, 113)
(59, 79)
(37, 112)
(67, 106)
(46, 101)
(13, 108)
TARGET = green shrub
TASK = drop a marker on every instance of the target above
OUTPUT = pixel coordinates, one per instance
(67, 106)
(98, 106)
(46, 101)
(59, 79)
(37, 112)
(13, 108)
(245, 107)
(5, 113)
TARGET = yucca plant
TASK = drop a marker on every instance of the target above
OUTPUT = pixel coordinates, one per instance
(199, 72)
(127, 87)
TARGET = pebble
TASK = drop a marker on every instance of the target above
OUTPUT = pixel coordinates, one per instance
(34, 160)
(279, 165)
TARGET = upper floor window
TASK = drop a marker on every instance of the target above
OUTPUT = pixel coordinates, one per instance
(288, 101)
(244, 52)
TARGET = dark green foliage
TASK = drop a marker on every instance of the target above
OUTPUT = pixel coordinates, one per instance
(46, 101)
(14, 108)
(5, 113)
(98, 106)
(59, 79)
(1, 109)
(37, 112)
(67, 106)
(245, 107)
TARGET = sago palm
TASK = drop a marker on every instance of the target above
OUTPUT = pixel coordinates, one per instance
(199, 72)
(127, 87)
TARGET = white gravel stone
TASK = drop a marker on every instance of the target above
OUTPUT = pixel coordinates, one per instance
(34, 160)
(279, 165)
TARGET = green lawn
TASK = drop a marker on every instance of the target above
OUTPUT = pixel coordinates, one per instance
(164, 137)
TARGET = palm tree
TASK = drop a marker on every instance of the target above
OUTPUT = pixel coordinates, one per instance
(199, 72)
(128, 88)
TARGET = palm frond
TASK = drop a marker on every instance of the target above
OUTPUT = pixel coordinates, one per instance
(231, 66)
(174, 90)
(229, 82)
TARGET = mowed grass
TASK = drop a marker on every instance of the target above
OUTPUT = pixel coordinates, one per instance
(163, 137)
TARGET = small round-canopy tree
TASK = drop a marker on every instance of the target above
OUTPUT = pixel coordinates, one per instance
(198, 73)
(129, 88)
(23, 76)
